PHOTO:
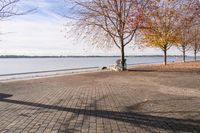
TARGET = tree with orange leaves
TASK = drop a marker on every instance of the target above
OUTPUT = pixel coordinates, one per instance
(159, 30)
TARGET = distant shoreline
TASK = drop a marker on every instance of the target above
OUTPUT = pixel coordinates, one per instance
(24, 56)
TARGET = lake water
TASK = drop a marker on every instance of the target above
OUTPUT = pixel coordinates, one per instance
(35, 66)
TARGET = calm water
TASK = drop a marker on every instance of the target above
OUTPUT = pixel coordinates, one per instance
(27, 65)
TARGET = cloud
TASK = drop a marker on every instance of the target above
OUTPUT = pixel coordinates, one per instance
(40, 33)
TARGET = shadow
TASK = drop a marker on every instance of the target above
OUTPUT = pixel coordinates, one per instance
(139, 106)
(2, 96)
(138, 119)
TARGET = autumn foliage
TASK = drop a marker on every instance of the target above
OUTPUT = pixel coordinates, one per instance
(157, 23)
(171, 24)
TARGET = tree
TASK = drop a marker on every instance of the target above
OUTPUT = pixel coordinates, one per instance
(196, 28)
(110, 21)
(159, 29)
(8, 8)
(184, 44)
(188, 15)
(185, 20)
(195, 45)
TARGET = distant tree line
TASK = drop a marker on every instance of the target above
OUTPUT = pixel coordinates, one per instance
(150, 23)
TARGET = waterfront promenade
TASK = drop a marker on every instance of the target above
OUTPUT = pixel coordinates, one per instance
(144, 99)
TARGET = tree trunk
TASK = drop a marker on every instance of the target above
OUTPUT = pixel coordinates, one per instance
(195, 55)
(122, 56)
(165, 55)
(183, 54)
(121, 34)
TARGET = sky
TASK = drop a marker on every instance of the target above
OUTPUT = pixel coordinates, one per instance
(42, 33)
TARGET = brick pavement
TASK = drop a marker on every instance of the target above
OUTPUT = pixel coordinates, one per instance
(128, 102)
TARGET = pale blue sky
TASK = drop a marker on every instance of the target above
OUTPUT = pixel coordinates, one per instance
(42, 33)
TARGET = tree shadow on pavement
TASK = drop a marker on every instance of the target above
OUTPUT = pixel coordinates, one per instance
(141, 119)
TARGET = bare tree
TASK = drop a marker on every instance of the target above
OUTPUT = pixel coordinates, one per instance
(188, 14)
(195, 37)
(8, 8)
(184, 33)
(110, 21)
(196, 29)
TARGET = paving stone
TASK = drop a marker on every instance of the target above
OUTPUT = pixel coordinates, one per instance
(100, 103)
